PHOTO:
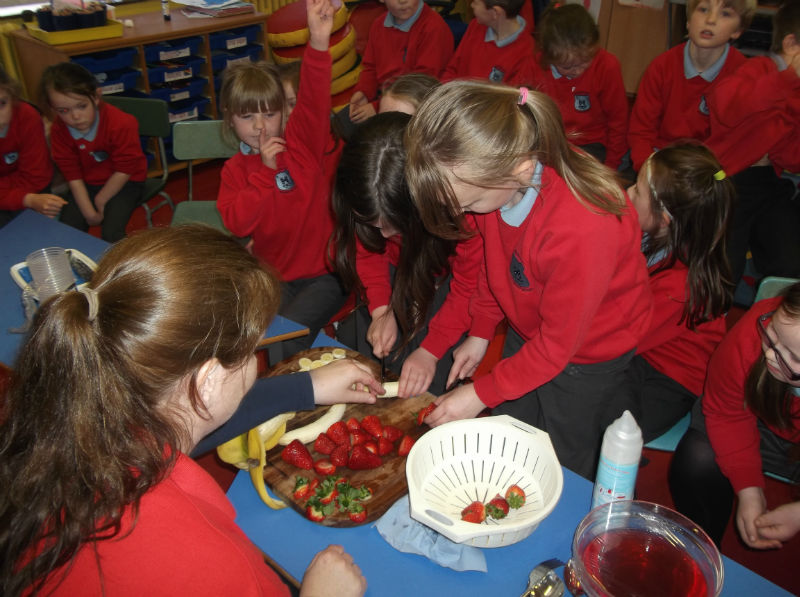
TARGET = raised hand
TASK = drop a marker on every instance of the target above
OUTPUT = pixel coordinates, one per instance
(320, 22)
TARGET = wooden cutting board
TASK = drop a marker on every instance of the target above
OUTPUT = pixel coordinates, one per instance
(388, 482)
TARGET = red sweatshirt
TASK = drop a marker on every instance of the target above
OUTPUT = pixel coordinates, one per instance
(669, 107)
(572, 282)
(25, 165)
(453, 318)
(184, 542)
(594, 106)
(731, 426)
(116, 148)
(672, 348)
(287, 210)
(754, 112)
(479, 59)
(425, 48)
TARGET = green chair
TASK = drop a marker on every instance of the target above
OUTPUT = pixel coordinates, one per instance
(195, 140)
(772, 286)
(153, 117)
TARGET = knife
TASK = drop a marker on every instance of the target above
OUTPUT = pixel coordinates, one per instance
(383, 369)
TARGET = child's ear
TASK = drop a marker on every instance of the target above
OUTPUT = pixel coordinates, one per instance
(523, 171)
(207, 381)
(790, 45)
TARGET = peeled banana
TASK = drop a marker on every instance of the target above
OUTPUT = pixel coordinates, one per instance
(235, 451)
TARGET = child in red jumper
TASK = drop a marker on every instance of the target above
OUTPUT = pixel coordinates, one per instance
(584, 80)
(749, 424)
(755, 125)
(410, 37)
(25, 167)
(671, 102)
(97, 148)
(561, 260)
(684, 201)
(412, 316)
(276, 189)
(406, 92)
(496, 46)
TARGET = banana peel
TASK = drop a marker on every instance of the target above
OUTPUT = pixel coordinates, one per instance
(235, 451)
(257, 459)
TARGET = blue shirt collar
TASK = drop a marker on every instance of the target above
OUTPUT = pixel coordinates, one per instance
(4, 131)
(91, 133)
(779, 61)
(795, 390)
(690, 71)
(502, 43)
(514, 215)
(390, 21)
(246, 149)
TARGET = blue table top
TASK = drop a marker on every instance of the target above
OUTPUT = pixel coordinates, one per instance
(291, 540)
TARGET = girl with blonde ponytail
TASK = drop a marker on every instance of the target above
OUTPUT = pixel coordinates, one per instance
(561, 259)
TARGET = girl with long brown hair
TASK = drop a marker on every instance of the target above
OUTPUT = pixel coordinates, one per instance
(561, 259)
(749, 424)
(118, 381)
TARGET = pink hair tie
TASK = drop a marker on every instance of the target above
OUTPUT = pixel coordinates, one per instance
(523, 96)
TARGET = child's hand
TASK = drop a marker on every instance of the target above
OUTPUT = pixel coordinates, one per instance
(344, 380)
(780, 524)
(269, 148)
(794, 63)
(320, 22)
(752, 504)
(45, 203)
(357, 99)
(466, 359)
(382, 332)
(417, 373)
(362, 112)
(333, 572)
(94, 219)
(461, 403)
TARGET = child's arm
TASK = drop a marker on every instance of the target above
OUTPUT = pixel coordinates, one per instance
(78, 189)
(320, 22)
(112, 186)
(646, 116)
(614, 102)
(367, 86)
(45, 203)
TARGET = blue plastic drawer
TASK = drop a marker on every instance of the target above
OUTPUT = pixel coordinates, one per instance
(235, 38)
(114, 82)
(221, 59)
(99, 62)
(170, 50)
(175, 70)
(190, 109)
(180, 90)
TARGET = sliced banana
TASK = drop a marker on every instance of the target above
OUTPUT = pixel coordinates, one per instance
(339, 353)
(326, 357)
(304, 364)
(392, 388)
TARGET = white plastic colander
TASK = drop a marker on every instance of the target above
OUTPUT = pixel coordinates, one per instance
(463, 461)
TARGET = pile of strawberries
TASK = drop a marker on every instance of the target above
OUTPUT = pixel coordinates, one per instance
(357, 445)
(333, 494)
(497, 507)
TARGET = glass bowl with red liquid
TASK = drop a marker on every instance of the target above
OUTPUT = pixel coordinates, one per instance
(635, 548)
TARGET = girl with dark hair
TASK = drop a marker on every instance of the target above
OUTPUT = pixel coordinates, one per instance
(684, 201)
(749, 424)
(118, 381)
(416, 286)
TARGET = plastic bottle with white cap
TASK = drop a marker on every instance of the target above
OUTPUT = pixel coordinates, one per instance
(619, 461)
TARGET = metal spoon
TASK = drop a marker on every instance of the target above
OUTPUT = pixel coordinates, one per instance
(544, 582)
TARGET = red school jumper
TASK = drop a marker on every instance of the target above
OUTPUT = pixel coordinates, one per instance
(478, 58)
(572, 283)
(25, 165)
(672, 348)
(116, 148)
(594, 106)
(731, 426)
(453, 317)
(184, 542)
(287, 210)
(390, 52)
(669, 107)
(754, 112)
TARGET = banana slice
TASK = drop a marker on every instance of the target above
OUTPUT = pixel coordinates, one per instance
(326, 357)
(304, 364)
(339, 353)
(391, 387)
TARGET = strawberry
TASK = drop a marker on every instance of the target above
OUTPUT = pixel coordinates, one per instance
(371, 446)
(352, 424)
(405, 445)
(297, 455)
(327, 491)
(301, 489)
(424, 412)
(361, 459)
(475, 512)
(357, 512)
(392, 433)
(324, 445)
(314, 510)
(359, 437)
(515, 496)
(339, 433)
(372, 425)
(323, 466)
(384, 446)
(497, 507)
(312, 486)
(340, 455)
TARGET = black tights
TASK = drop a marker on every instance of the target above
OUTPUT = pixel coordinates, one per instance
(699, 489)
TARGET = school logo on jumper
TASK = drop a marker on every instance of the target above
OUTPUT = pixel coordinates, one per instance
(283, 181)
(496, 76)
(703, 107)
(517, 271)
(99, 156)
(11, 157)
(582, 103)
